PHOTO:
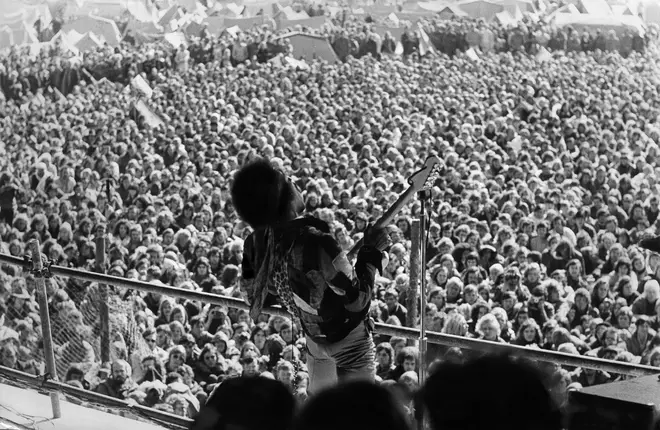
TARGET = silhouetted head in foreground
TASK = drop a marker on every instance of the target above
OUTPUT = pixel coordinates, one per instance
(489, 393)
(358, 405)
(247, 404)
(263, 196)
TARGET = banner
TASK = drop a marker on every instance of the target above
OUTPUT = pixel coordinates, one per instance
(150, 118)
(425, 46)
(472, 55)
(141, 86)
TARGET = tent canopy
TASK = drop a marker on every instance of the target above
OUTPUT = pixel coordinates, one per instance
(591, 23)
(103, 27)
(310, 47)
(481, 8)
(594, 7)
(231, 9)
(288, 14)
(452, 11)
(111, 9)
(15, 12)
(650, 10)
(88, 42)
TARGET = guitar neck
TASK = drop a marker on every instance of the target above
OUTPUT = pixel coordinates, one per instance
(388, 216)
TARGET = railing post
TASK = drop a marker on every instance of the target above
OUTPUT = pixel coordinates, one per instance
(413, 289)
(42, 297)
(104, 312)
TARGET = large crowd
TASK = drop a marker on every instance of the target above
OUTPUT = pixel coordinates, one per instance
(548, 182)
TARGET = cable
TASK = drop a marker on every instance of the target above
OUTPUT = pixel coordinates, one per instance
(32, 418)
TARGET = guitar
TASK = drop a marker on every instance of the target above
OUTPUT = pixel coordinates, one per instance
(421, 180)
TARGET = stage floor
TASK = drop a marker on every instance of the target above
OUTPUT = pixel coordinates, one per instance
(26, 409)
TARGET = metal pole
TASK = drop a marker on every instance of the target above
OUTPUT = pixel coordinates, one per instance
(559, 358)
(422, 328)
(413, 293)
(423, 346)
(49, 355)
(104, 313)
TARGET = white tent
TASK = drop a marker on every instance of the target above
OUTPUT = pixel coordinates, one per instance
(176, 39)
(605, 23)
(523, 5)
(13, 12)
(111, 9)
(435, 6)
(449, 12)
(230, 9)
(88, 42)
(481, 8)
(215, 24)
(310, 47)
(67, 42)
(650, 10)
(169, 15)
(621, 10)
(595, 7)
(6, 38)
(17, 34)
(24, 34)
(288, 14)
(103, 27)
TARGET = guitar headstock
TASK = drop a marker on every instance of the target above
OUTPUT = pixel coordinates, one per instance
(424, 178)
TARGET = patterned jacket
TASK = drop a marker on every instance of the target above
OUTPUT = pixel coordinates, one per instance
(329, 296)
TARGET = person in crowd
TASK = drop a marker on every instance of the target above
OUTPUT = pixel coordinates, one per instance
(371, 406)
(271, 406)
(502, 393)
(119, 384)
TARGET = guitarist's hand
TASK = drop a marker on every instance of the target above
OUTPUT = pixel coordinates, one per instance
(377, 238)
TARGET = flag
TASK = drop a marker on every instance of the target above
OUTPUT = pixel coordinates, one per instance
(472, 55)
(393, 19)
(296, 64)
(60, 96)
(516, 144)
(543, 55)
(88, 75)
(425, 46)
(150, 118)
(141, 86)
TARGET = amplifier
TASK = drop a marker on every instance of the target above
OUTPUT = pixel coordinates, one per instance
(633, 404)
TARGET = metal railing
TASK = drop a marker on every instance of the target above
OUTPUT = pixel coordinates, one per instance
(34, 265)
(54, 387)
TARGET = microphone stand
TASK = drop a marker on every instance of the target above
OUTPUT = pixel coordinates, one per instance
(423, 341)
(423, 197)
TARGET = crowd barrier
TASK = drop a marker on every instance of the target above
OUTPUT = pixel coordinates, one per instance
(41, 270)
